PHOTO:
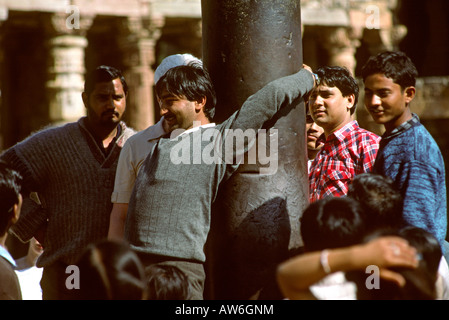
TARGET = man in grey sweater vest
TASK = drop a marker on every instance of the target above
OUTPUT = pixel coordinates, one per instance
(134, 152)
(71, 168)
(169, 211)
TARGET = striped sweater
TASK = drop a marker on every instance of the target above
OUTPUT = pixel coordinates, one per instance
(74, 181)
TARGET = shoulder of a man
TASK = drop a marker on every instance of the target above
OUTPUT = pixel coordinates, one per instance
(151, 133)
(140, 137)
(127, 133)
(360, 138)
(10, 287)
(365, 134)
(415, 144)
(424, 140)
(51, 129)
(43, 138)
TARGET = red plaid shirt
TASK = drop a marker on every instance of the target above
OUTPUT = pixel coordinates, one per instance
(347, 152)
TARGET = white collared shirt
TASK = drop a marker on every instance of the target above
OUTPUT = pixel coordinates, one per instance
(134, 152)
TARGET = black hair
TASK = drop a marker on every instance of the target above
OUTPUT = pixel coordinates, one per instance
(381, 202)
(427, 246)
(166, 282)
(191, 82)
(103, 74)
(395, 65)
(10, 188)
(332, 222)
(420, 283)
(110, 270)
(340, 77)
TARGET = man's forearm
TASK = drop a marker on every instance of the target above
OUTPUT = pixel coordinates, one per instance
(117, 221)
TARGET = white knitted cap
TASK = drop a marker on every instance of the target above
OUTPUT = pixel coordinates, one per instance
(174, 61)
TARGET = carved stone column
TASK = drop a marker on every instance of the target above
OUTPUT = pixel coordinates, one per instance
(256, 216)
(341, 45)
(181, 36)
(138, 41)
(383, 39)
(66, 68)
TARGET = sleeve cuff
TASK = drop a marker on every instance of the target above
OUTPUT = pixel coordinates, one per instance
(32, 218)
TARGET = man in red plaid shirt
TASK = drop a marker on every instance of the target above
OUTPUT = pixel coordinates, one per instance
(348, 149)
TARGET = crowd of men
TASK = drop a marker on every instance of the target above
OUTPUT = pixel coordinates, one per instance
(97, 179)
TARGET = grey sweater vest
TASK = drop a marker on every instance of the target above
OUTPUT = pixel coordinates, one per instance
(170, 208)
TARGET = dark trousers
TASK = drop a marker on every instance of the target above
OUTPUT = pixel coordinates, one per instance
(53, 283)
(193, 270)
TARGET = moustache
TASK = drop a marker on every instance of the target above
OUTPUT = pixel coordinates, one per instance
(110, 113)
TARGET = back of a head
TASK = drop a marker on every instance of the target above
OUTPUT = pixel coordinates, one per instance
(395, 65)
(191, 82)
(166, 282)
(380, 200)
(332, 222)
(103, 74)
(340, 77)
(110, 270)
(427, 246)
(10, 187)
(419, 282)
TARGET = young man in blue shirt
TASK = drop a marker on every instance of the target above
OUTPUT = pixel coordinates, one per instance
(408, 154)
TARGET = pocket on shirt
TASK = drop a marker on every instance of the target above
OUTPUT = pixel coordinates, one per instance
(338, 179)
(337, 175)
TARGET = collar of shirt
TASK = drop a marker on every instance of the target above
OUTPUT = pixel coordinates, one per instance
(402, 127)
(5, 254)
(342, 133)
(321, 139)
(155, 132)
(120, 129)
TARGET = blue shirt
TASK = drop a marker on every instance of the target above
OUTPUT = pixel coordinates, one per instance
(410, 156)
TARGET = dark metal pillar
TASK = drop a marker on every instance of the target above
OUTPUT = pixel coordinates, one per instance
(255, 220)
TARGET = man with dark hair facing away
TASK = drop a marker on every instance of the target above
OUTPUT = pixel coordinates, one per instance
(166, 282)
(380, 200)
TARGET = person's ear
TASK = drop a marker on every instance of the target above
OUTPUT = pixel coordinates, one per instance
(351, 100)
(200, 104)
(85, 98)
(17, 207)
(409, 94)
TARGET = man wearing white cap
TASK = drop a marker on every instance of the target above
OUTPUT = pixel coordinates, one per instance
(135, 150)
